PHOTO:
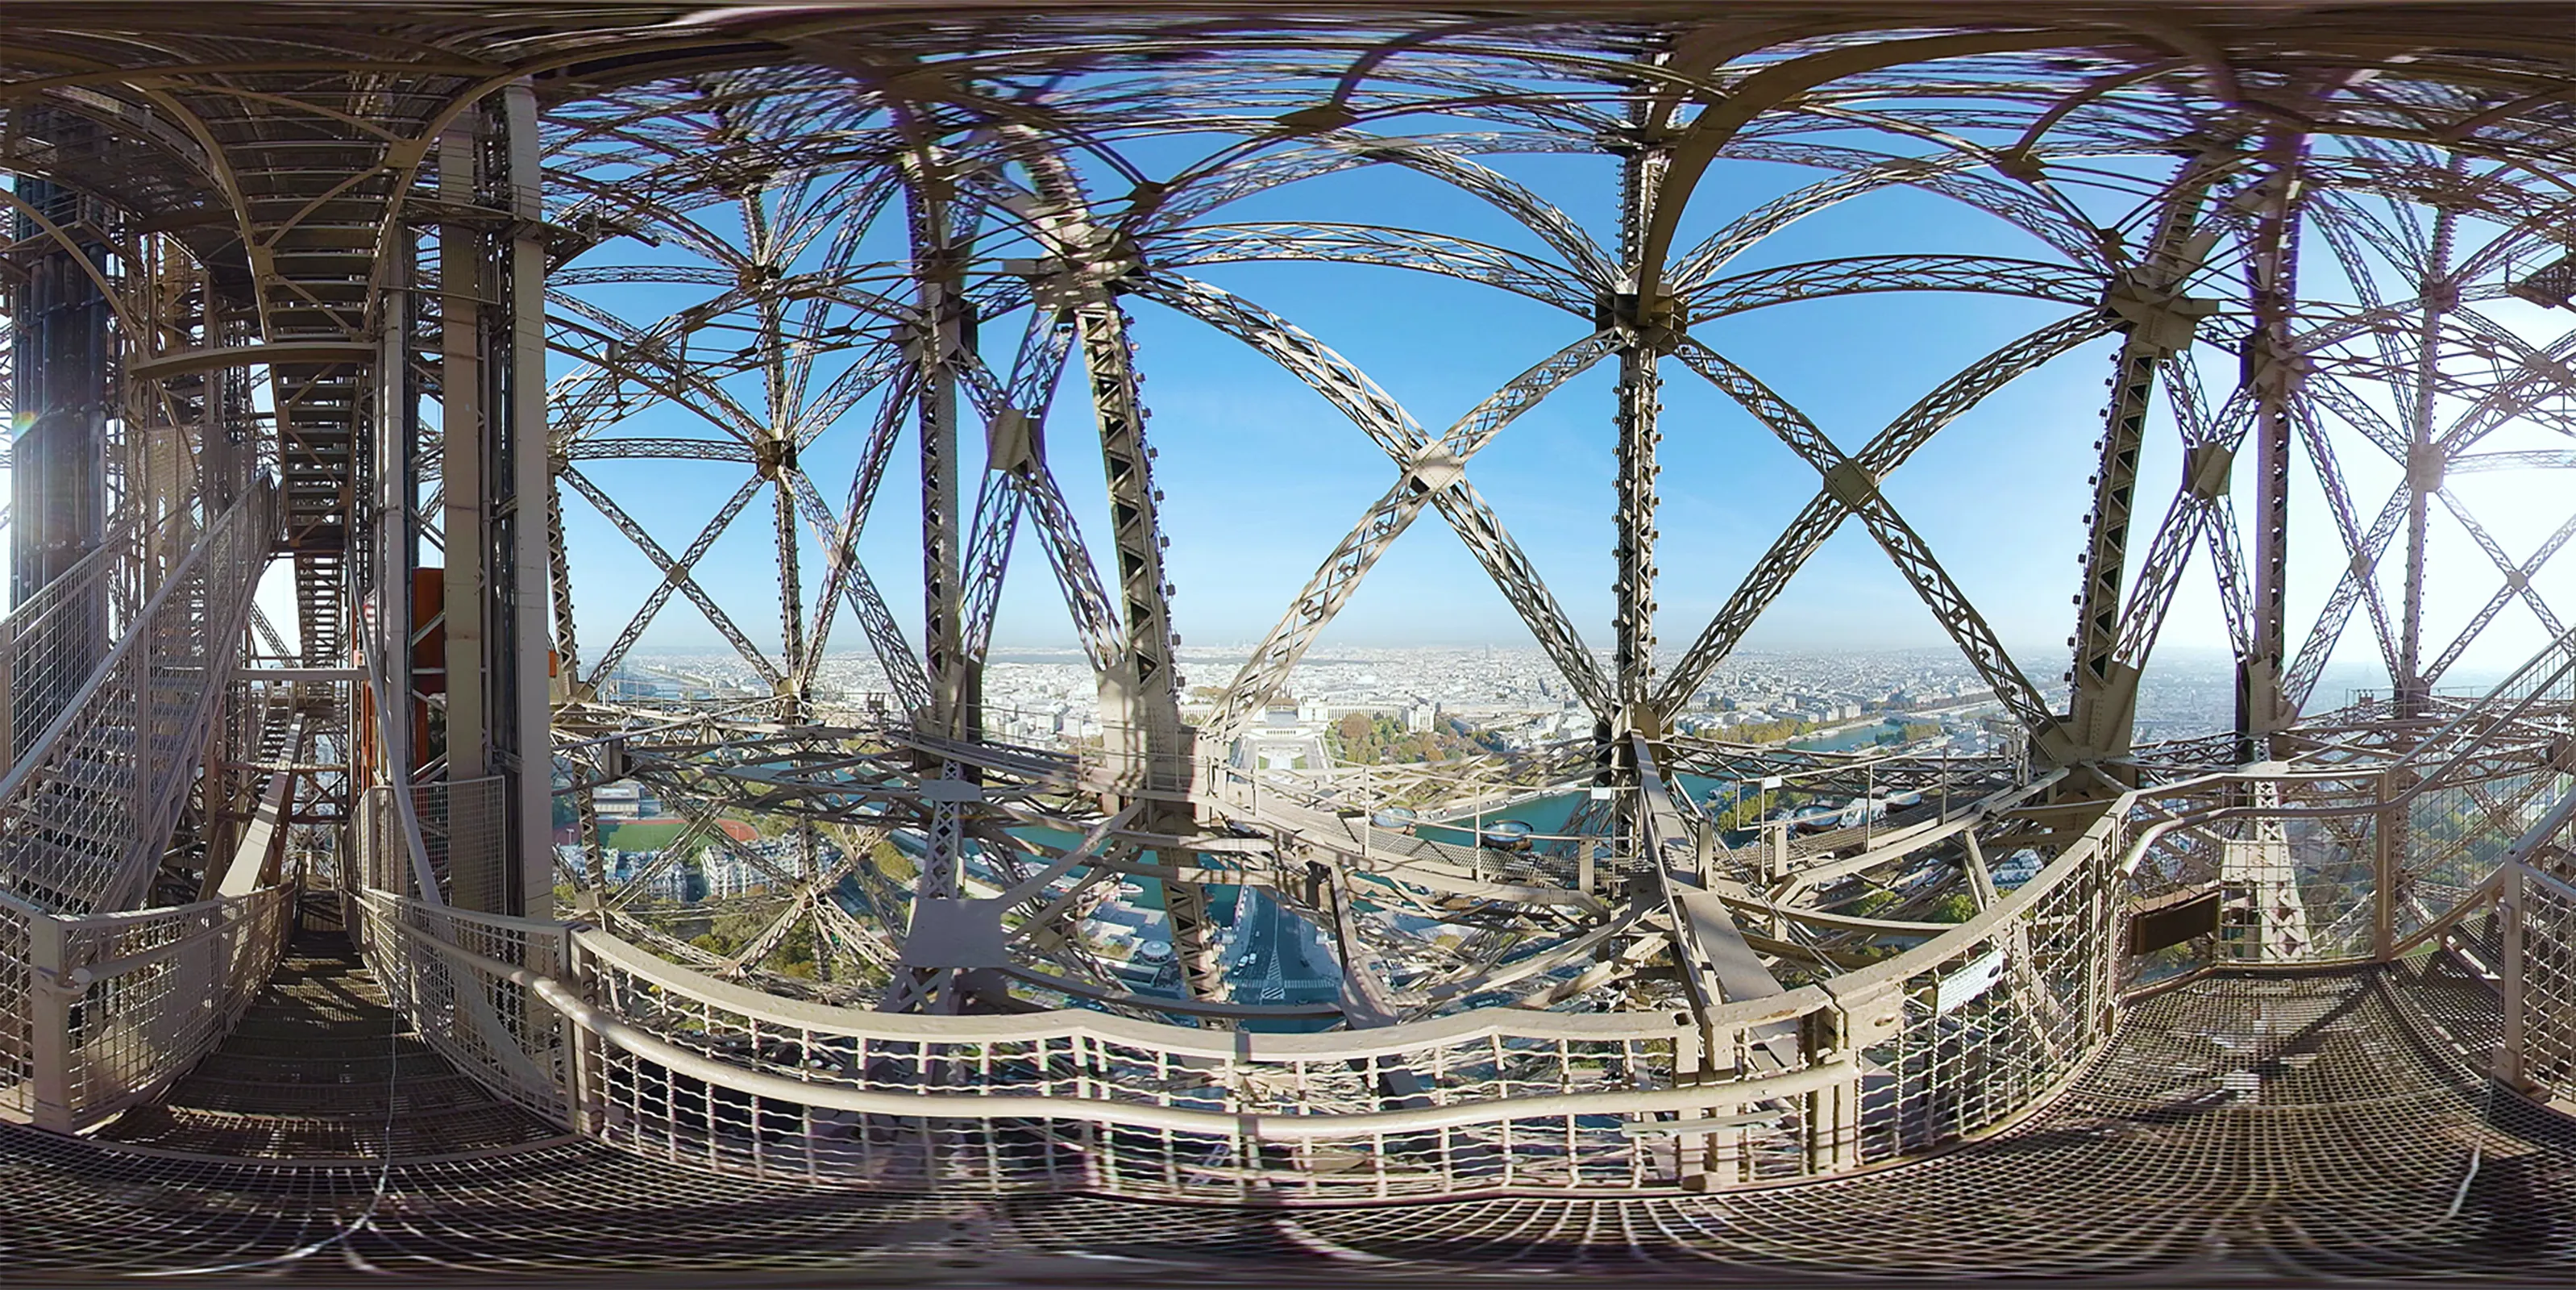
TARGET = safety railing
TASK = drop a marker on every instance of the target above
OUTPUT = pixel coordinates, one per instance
(1946, 1040)
(51, 641)
(465, 1002)
(88, 802)
(1992, 1019)
(2543, 688)
(2536, 910)
(1954, 1037)
(1951, 1038)
(462, 826)
(1150, 1109)
(2346, 857)
(99, 1012)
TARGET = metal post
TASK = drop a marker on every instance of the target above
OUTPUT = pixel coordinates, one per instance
(50, 996)
(583, 1089)
(2271, 372)
(1647, 328)
(2160, 322)
(58, 478)
(395, 439)
(2510, 1068)
(532, 481)
(2388, 838)
(943, 323)
(461, 290)
(2424, 457)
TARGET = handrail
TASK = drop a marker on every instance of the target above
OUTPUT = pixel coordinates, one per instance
(194, 619)
(2558, 657)
(1263, 1126)
(1102, 1068)
(154, 1022)
(1182, 1040)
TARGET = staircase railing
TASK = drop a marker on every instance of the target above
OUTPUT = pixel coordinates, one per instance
(87, 805)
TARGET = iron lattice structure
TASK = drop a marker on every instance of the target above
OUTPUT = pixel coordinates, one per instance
(404, 302)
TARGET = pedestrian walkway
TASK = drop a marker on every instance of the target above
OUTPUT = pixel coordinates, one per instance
(322, 1068)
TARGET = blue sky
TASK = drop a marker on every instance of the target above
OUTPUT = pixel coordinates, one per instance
(1262, 476)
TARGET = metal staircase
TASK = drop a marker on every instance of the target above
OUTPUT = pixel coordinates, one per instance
(90, 801)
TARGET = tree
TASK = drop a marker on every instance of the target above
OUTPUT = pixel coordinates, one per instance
(1871, 905)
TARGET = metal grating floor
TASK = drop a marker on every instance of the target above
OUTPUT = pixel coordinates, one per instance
(322, 1068)
(2243, 1128)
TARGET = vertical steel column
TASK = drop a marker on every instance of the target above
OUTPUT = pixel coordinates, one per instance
(462, 288)
(2511, 1067)
(775, 452)
(51, 995)
(1140, 697)
(526, 567)
(2423, 456)
(58, 476)
(940, 334)
(1143, 694)
(1646, 326)
(395, 444)
(944, 323)
(2271, 372)
(2160, 321)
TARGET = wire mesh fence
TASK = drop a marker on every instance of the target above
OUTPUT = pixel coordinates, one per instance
(99, 1012)
(676, 1065)
(475, 1005)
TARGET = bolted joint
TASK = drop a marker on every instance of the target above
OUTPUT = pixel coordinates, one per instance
(939, 263)
(1850, 484)
(1317, 118)
(1658, 325)
(773, 457)
(1011, 443)
(942, 337)
(2270, 362)
(2425, 463)
(2160, 319)
(2206, 467)
(1093, 277)
(1435, 468)
(1627, 139)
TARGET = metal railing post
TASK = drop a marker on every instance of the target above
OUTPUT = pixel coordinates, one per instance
(50, 998)
(2510, 1053)
(581, 1076)
(2388, 835)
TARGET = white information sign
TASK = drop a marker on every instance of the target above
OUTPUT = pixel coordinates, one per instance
(1963, 987)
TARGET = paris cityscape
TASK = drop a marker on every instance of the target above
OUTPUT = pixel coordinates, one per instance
(1041, 696)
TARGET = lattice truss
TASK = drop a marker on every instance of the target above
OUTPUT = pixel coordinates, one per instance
(917, 250)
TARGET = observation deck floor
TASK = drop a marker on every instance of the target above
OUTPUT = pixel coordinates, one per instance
(2241, 1128)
